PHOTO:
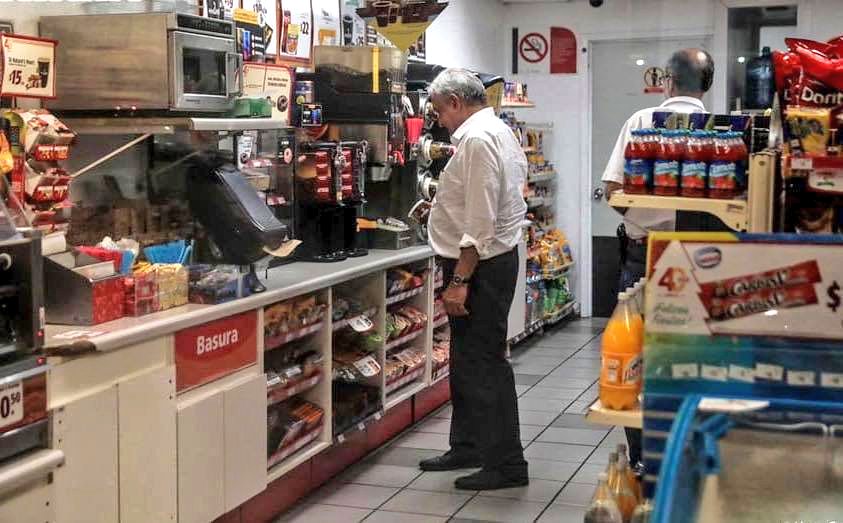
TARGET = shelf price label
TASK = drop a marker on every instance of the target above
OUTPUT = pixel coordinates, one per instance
(28, 66)
(11, 404)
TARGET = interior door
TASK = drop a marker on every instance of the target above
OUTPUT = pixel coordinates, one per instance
(619, 77)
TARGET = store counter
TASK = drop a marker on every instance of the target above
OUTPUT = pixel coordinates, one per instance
(164, 417)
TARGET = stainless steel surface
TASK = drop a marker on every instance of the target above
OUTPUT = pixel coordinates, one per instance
(107, 61)
(283, 282)
(29, 437)
(130, 61)
(128, 125)
(112, 154)
(376, 135)
(28, 468)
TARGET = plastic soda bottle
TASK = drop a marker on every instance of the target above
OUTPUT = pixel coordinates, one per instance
(728, 166)
(668, 164)
(622, 490)
(698, 155)
(642, 512)
(638, 165)
(631, 478)
(620, 373)
(603, 508)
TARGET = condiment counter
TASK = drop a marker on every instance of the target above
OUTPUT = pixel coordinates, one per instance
(164, 417)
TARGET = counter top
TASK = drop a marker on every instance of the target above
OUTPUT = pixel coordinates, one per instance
(283, 282)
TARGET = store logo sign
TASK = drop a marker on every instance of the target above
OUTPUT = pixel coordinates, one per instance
(708, 257)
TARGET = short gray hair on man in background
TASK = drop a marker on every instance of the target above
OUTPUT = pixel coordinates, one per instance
(461, 83)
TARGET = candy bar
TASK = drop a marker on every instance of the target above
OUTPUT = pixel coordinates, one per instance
(724, 309)
(801, 273)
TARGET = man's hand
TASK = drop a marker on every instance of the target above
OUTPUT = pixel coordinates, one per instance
(454, 298)
(608, 189)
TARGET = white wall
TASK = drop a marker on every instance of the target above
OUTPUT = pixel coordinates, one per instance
(468, 34)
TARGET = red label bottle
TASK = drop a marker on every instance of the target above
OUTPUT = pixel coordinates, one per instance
(667, 167)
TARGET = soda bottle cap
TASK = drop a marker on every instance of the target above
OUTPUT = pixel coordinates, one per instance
(623, 296)
(602, 477)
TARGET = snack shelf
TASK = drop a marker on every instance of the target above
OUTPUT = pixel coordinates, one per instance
(513, 104)
(537, 201)
(824, 173)
(404, 394)
(563, 313)
(402, 296)
(546, 176)
(734, 213)
(276, 394)
(337, 325)
(440, 321)
(409, 377)
(359, 426)
(275, 342)
(553, 274)
(601, 415)
(295, 454)
(167, 125)
(440, 374)
(397, 342)
(528, 331)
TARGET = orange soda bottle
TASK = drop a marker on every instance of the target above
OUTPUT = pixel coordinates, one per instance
(620, 373)
(622, 490)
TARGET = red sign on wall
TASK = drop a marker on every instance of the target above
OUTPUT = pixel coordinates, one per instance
(563, 51)
(215, 349)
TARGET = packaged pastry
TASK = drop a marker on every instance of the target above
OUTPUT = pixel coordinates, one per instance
(43, 128)
(808, 130)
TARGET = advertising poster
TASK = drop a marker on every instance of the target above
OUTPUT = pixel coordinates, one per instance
(272, 81)
(326, 19)
(220, 9)
(267, 11)
(249, 35)
(28, 66)
(353, 27)
(296, 35)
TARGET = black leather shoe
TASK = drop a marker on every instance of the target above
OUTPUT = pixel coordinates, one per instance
(449, 461)
(489, 480)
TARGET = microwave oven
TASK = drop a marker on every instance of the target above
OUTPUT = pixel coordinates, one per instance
(144, 62)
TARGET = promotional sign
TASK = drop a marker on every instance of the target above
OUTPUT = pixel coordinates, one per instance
(220, 9)
(271, 81)
(296, 38)
(267, 11)
(326, 20)
(354, 28)
(402, 23)
(28, 66)
(215, 349)
(548, 50)
(250, 40)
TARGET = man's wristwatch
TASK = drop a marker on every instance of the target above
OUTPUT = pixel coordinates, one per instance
(457, 280)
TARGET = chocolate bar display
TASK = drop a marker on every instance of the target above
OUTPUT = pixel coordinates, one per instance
(721, 309)
(805, 272)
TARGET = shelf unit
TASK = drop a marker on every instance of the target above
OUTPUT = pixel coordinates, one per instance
(541, 177)
(403, 296)
(532, 328)
(512, 104)
(601, 415)
(167, 125)
(403, 340)
(276, 342)
(755, 214)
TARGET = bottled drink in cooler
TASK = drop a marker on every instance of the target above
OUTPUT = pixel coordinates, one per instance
(668, 163)
(760, 85)
(698, 154)
(638, 164)
(620, 373)
(603, 508)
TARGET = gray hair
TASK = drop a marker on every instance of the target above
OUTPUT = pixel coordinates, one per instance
(461, 83)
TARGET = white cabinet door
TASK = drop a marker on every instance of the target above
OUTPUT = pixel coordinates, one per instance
(201, 466)
(245, 441)
(86, 486)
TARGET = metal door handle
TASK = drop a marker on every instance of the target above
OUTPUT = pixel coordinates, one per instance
(598, 194)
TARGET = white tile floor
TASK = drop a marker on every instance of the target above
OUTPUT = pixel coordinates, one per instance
(555, 375)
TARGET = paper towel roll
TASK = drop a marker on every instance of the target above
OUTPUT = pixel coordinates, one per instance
(53, 243)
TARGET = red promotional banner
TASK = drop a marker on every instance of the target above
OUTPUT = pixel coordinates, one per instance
(563, 51)
(215, 349)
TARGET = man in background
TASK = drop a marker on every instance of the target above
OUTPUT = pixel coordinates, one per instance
(474, 227)
(688, 76)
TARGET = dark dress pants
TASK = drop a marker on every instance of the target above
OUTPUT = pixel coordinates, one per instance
(485, 406)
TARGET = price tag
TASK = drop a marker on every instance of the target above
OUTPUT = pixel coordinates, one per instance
(361, 323)
(713, 372)
(378, 416)
(730, 405)
(29, 66)
(273, 381)
(802, 164)
(769, 372)
(686, 370)
(801, 378)
(11, 404)
(831, 380)
(367, 366)
(745, 374)
(341, 438)
(361, 426)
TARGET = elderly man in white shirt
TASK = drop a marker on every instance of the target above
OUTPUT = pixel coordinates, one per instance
(690, 73)
(475, 226)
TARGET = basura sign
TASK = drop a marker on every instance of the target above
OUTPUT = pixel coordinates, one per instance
(214, 349)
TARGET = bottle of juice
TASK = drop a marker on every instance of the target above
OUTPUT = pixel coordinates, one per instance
(638, 166)
(623, 490)
(603, 508)
(620, 374)
(727, 166)
(667, 166)
(698, 154)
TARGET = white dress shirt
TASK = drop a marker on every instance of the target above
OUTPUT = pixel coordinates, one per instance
(479, 202)
(639, 221)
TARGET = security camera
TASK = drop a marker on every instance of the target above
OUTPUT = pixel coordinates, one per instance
(595, 3)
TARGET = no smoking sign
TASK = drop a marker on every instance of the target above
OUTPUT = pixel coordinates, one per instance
(533, 47)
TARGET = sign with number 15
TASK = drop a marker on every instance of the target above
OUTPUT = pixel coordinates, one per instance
(28, 66)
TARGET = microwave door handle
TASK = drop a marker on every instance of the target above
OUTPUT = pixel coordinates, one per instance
(231, 71)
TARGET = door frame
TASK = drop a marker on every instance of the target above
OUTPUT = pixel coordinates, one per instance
(586, 286)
